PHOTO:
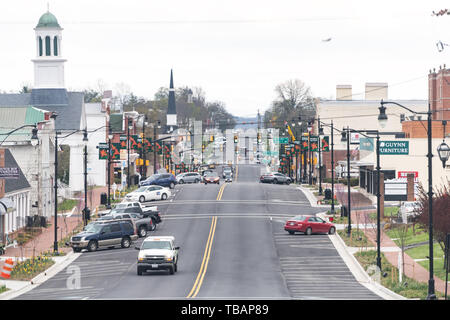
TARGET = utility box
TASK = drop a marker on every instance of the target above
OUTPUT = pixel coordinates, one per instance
(328, 195)
(103, 198)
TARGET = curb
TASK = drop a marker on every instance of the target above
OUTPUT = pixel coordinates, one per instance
(42, 277)
(311, 198)
(359, 273)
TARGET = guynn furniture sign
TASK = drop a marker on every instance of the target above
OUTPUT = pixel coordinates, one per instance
(394, 147)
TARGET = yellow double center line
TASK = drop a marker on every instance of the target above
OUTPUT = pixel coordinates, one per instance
(201, 274)
(219, 196)
(204, 266)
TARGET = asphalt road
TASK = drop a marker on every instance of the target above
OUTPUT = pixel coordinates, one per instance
(232, 246)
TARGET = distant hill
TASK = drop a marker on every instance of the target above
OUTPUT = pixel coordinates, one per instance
(246, 123)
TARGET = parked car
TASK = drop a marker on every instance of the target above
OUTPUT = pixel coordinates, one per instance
(160, 179)
(104, 234)
(309, 225)
(275, 177)
(408, 209)
(148, 193)
(156, 253)
(143, 224)
(211, 177)
(189, 177)
(135, 209)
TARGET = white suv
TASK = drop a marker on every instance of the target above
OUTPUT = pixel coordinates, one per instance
(156, 253)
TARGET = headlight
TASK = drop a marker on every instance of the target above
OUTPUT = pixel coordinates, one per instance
(168, 258)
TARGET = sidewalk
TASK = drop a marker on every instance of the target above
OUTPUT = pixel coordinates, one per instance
(389, 248)
(45, 241)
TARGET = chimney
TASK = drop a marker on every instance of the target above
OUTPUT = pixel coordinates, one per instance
(344, 92)
(376, 91)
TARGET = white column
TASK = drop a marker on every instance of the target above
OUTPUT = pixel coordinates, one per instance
(51, 47)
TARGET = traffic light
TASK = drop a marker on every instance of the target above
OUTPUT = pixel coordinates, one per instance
(236, 150)
(259, 137)
(203, 147)
(211, 138)
(235, 139)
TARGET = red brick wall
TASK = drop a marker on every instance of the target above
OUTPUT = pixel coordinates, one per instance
(417, 129)
(439, 93)
(339, 155)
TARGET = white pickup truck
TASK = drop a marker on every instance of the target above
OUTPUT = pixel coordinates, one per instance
(156, 253)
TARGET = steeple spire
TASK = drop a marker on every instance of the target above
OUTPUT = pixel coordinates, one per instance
(172, 108)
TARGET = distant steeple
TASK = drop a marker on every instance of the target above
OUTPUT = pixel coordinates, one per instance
(172, 108)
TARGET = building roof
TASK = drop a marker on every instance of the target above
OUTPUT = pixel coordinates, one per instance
(15, 117)
(68, 105)
(48, 20)
(12, 185)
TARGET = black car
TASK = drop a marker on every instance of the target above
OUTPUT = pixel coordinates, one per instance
(155, 215)
(104, 234)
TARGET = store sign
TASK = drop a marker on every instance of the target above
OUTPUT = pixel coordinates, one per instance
(9, 173)
(282, 140)
(355, 137)
(404, 175)
(394, 147)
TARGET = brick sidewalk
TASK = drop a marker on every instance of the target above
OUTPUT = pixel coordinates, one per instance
(412, 269)
(45, 241)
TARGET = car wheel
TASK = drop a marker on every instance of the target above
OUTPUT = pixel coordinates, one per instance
(332, 230)
(275, 181)
(125, 242)
(164, 196)
(141, 199)
(153, 225)
(92, 246)
(308, 231)
(139, 271)
(291, 232)
(181, 181)
(172, 185)
(196, 181)
(142, 231)
(171, 270)
(76, 249)
(288, 182)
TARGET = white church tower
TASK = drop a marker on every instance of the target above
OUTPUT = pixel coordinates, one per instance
(48, 64)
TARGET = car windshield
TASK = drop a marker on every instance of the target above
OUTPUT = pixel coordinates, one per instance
(120, 206)
(212, 174)
(141, 189)
(156, 245)
(108, 217)
(94, 228)
(300, 218)
(154, 177)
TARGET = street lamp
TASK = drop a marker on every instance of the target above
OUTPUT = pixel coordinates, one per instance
(346, 138)
(320, 134)
(34, 137)
(158, 125)
(383, 119)
(110, 137)
(130, 127)
(85, 210)
(443, 152)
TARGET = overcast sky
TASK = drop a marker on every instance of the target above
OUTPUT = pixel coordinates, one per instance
(236, 50)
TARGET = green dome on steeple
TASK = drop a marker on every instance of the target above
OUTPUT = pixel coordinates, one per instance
(48, 20)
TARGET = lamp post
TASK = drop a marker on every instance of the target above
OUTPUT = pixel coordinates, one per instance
(382, 117)
(110, 136)
(320, 134)
(332, 168)
(154, 147)
(346, 137)
(128, 147)
(144, 153)
(85, 210)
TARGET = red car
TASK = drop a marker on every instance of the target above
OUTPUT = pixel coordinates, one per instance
(309, 225)
(211, 177)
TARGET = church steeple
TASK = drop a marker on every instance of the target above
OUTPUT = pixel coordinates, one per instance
(172, 108)
(48, 64)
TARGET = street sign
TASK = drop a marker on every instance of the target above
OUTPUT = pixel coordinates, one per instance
(281, 140)
(103, 151)
(394, 147)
